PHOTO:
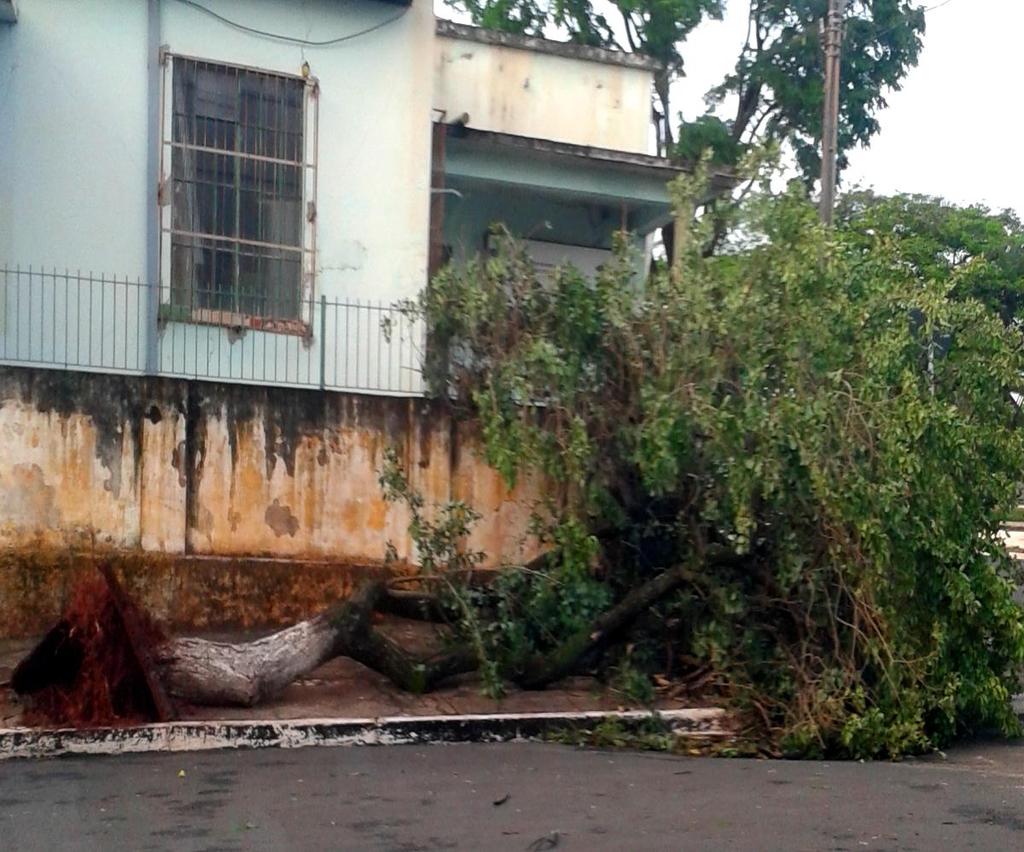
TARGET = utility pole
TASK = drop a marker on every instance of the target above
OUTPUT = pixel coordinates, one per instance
(833, 44)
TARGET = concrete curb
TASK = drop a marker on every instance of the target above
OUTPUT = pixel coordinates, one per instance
(299, 733)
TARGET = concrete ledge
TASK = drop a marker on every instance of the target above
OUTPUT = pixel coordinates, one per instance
(394, 730)
(566, 49)
(183, 593)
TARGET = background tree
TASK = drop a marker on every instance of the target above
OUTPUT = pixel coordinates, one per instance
(777, 84)
(978, 251)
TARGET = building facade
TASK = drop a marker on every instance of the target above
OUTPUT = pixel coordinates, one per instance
(210, 212)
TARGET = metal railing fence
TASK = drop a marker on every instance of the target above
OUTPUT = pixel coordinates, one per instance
(80, 321)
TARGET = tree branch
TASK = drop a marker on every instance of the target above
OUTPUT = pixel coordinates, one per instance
(545, 669)
(629, 25)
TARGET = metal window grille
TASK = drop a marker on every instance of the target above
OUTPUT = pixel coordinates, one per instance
(240, 192)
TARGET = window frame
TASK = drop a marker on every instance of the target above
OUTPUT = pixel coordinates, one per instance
(170, 312)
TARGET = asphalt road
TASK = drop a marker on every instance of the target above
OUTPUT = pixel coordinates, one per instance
(516, 796)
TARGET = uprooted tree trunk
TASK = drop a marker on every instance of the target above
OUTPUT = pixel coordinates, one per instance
(204, 672)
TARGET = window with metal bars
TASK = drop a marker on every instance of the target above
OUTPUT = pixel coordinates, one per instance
(240, 246)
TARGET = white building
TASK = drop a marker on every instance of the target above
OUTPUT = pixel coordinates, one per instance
(241, 190)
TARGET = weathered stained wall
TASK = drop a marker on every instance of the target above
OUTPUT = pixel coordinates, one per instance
(185, 593)
(90, 459)
(527, 92)
(180, 472)
(506, 514)
(294, 473)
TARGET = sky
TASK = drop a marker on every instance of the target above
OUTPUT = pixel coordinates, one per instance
(956, 129)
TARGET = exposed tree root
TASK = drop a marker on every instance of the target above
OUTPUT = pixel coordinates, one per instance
(88, 670)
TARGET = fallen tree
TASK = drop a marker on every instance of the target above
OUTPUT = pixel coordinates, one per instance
(104, 647)
(780, 473)
(203, 672)
(817, 403)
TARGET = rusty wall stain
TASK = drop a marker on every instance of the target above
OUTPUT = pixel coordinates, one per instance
(281, 520)
(114, 406)
(103, 444)
(178, 462)
(502, 532)
(26, 497)
(321, 460)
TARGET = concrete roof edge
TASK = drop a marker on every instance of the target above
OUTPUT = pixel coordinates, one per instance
(544, 45)
(568, 149)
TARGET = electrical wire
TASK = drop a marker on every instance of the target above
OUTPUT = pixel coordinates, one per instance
(291, 39)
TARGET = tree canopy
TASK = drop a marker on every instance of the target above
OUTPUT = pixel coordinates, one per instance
(977, 251)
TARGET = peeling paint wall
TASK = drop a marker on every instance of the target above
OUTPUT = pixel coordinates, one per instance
(206, 470)
(505, 512)
(294, 473)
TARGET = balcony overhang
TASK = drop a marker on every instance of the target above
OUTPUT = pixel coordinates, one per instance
(637, 184)
(8, 11)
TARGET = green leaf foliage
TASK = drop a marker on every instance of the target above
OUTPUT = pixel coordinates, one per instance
(778, 80)
(781, 420)
(711, 134)
(980, 253)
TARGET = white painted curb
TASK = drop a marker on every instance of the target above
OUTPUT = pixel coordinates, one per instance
(298, 733)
